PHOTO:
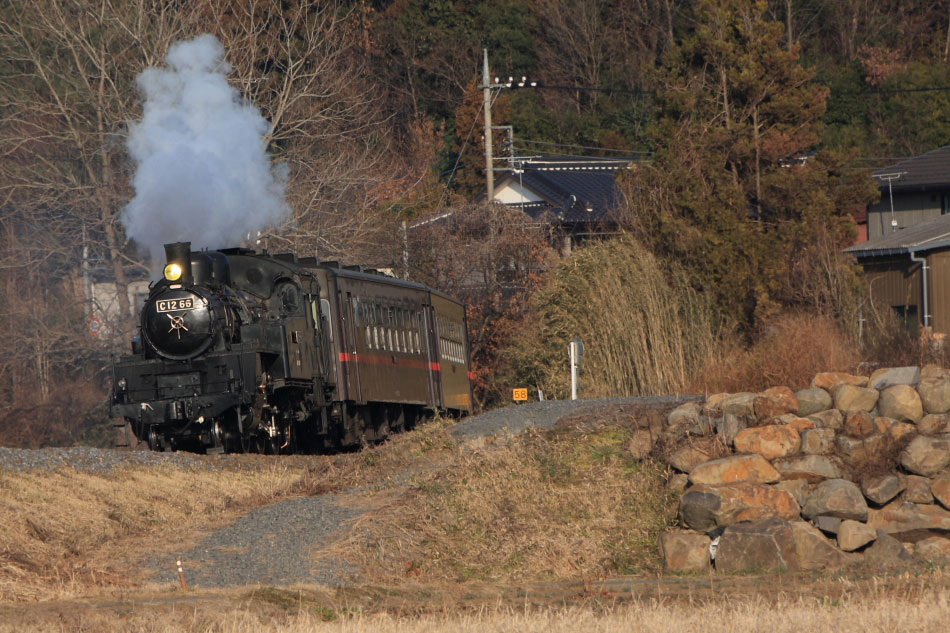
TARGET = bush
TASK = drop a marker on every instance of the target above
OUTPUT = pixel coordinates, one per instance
(644, 332)
(789, 351)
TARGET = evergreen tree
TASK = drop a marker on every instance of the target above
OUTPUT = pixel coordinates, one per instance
(736, 192)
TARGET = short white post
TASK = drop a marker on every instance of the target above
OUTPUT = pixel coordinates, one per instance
(572, 350)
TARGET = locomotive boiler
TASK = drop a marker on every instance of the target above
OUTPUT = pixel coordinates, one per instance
(245, 351)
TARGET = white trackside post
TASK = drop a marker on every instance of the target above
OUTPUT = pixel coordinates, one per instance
(576, 351)
(572, 351)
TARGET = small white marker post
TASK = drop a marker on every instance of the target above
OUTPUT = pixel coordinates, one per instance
(181, 574)
(576, 352)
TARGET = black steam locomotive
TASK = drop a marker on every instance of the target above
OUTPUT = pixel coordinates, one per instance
(245, 351)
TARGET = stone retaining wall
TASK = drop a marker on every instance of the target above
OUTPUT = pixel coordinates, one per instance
(855, 469)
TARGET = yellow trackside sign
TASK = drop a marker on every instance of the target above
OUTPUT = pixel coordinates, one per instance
(519, 395)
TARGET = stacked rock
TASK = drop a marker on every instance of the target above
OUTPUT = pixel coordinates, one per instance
(854, 469)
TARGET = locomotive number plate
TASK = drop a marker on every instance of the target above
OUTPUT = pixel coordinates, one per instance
(174, 305)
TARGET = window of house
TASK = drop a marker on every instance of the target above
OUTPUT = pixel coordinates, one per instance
(907, 316)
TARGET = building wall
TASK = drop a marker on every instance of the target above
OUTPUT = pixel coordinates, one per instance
(910, 208)
(938, 284)
(896, 283)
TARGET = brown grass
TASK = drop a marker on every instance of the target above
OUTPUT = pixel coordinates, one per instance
(877, 605)
(565, 504)
(64, 533)
(789, 351)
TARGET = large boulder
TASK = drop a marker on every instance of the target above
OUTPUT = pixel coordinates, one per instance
(812, 468)
(900, 402)
(830, 380)
(882, 488)
(933, 424)
(812, 400)
(797, 423)
(769, 441)
(858, 424)
(940, 489)
(687, 458)
(910, 521)
(728, 427)
(685, 552)
(703, 508)
(677, 483)
(713, 404)
(813, 550)
(686, 412)
(851, 398)
(884, 378)
(798, 488)
(818, 441)
(933, 371)
(838, 498)
(740, 404)
(774, 402)
(735, 469)
(830, 419)
(926, 456)
(935, 394)
(886, 552)
(935, 549)
(641, 443)
(760, 546)
(853, 535)
(917, 489)
(856, 452)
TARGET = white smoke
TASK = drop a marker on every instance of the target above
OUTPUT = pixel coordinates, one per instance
(202, 171)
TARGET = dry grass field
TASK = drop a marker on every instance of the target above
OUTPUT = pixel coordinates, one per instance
(548, 531)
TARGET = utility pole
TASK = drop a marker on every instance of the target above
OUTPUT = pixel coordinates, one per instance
(86, 277)
(486, 91)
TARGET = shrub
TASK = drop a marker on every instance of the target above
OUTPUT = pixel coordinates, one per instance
(644, 332)
(789, 351)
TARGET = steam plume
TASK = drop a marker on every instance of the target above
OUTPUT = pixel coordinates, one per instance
(202, 171)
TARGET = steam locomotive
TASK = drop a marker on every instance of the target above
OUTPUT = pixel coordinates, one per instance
(245, 351)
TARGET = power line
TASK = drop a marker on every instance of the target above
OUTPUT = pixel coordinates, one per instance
(599, 149)
(633, 91)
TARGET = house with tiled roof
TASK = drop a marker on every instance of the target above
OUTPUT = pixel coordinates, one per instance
(576, 194)
(912, 191)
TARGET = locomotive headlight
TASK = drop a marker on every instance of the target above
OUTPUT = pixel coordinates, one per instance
(173, 272)
(121, 382)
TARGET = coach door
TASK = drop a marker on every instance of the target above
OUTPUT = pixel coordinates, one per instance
(348, 352)
(432, 355)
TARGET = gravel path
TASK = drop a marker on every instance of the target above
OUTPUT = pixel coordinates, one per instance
(274, 544)
(270, 545)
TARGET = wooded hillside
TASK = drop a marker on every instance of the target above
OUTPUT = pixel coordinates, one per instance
(375, 114)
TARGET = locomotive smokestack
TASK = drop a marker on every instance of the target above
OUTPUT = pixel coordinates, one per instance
(178, 262)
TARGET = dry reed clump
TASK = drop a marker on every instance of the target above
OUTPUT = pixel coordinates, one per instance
(645, 332)
(65, 532)
(791, 349)
(545, 505)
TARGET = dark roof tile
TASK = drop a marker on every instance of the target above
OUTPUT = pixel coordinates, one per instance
(927, 171)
